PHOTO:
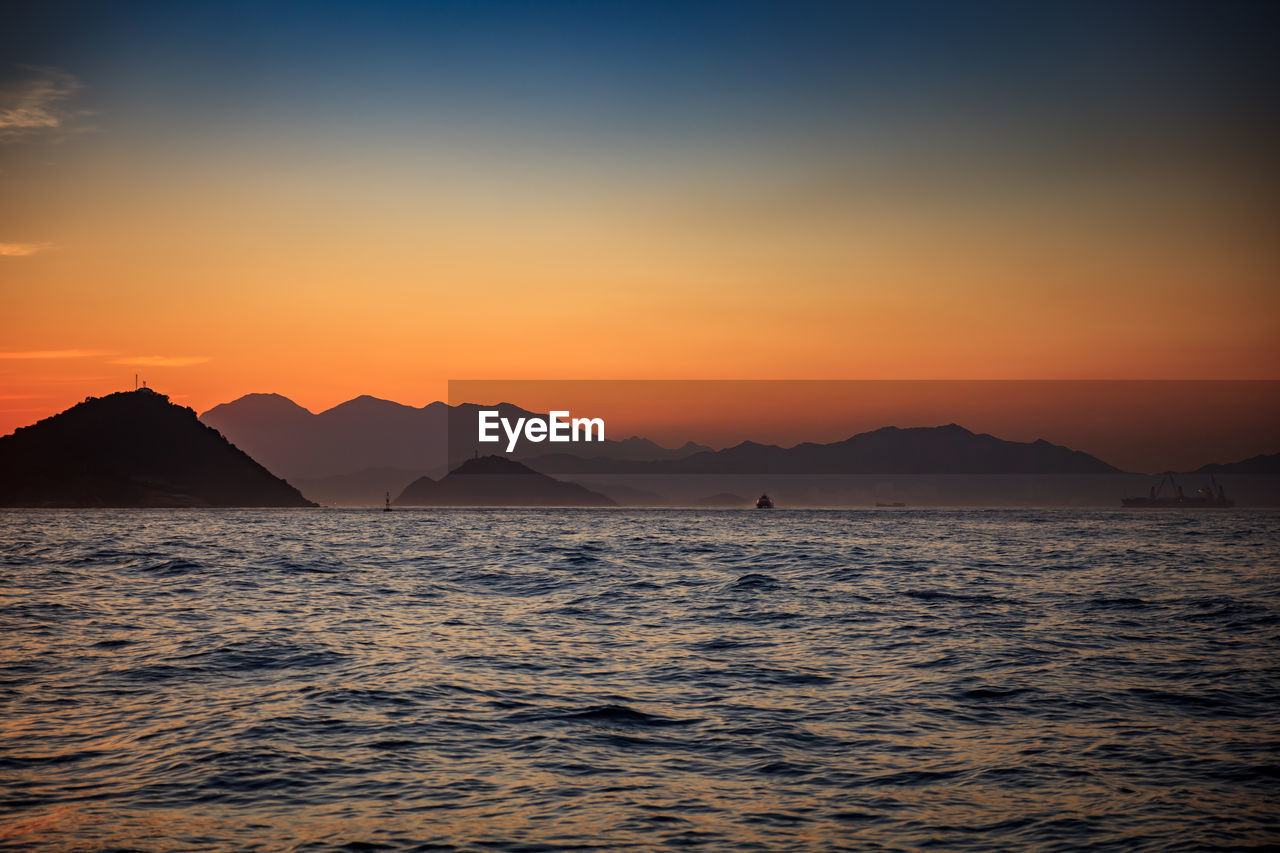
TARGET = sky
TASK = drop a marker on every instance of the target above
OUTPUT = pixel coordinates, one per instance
(331, 199)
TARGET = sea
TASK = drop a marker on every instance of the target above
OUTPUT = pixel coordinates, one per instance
(545, 680)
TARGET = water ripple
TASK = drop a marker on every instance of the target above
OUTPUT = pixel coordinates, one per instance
(639, 680)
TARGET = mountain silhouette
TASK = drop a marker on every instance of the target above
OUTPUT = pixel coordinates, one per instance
(497, 481)
(133, 448)
(362, 433)
(369, 433)
(1262, 464)
(949, 449)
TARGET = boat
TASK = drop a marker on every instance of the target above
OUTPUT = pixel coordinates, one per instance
(892, 504)
(387, 507)
(765, 502)
(1212, 496)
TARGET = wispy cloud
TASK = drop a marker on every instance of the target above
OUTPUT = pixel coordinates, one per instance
(57, 353)
(162, 360)
(38, 102)
(19, 250)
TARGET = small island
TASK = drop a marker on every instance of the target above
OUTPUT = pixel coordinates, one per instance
(133, 449)
(497, 481)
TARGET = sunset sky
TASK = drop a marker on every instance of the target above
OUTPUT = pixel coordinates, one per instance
(332, 199)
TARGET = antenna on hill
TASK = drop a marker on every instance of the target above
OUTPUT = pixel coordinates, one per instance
(135, 382)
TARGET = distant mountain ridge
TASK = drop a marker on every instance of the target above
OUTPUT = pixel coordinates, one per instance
(133, 449)
(1261, 464)
(497, 481)
(361, 433)
(367, 445)
(949, 449)
(371, 433)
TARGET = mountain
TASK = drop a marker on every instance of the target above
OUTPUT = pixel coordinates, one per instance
(631, 449)
(949, 449)
(133, 448)
(371, 433)
(359, 434)
(1262, 464)
(497, 481)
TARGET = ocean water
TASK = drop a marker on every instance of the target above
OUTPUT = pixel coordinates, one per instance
(639, 680)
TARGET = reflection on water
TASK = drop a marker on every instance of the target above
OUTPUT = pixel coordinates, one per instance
(638, 679)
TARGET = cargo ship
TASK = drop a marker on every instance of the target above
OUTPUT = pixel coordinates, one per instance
(1208, 497)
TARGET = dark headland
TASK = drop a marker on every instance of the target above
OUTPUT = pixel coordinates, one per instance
(133, 449)
(497, 481)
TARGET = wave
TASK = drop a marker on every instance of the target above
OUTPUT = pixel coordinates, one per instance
(638, 680)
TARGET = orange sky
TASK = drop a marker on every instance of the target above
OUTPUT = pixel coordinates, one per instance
(324, 230)
(221, 281)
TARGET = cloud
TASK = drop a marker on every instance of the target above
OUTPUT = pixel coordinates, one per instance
(162, 360)
(57, 353)
(37, 104)
(19, 250)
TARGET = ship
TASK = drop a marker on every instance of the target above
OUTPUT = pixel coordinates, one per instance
(765, 502)
(387, 507)
(1212, 496)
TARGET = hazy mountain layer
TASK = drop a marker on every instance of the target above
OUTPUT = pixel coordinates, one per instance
(950, 449)
(369, 433)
